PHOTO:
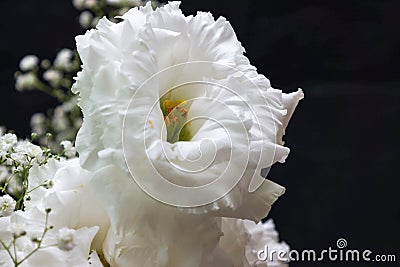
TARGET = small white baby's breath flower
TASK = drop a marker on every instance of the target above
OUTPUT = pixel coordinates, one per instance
(29, 149)
(115, 2)
(70, 104)
(90, 3)
(59, 121)
(124, 2)
(85, 19)
(28, 62)
(78, 4)
(7, 205)
(25, 81)
(52, 76)
(63, 59)
(9, 161)
(38, 119)
(66, 144)
(69, 149)
(38, 123)
(7, 141)
(65, 239)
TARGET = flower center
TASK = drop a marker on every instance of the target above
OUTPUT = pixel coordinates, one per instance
(175, 117)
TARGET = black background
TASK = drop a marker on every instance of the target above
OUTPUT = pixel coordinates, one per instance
(342, 175)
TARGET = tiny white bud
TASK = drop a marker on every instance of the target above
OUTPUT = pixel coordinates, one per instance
(45, 64)
(48, 184)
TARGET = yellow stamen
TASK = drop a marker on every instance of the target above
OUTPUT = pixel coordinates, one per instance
(169, 105)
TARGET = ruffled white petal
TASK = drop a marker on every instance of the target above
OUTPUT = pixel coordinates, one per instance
(150, 233)
(71, 198)
(243, 239)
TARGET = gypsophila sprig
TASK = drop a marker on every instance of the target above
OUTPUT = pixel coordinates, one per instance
(54, 79)
(17, 157)
(63, 123)
(17, 254)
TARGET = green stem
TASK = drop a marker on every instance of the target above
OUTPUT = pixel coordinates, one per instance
(9, 252)
(39, 243)
(56, 93)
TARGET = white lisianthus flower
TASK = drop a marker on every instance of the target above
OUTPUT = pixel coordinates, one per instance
(171, 102)
(7, 205)
(25, 81)
(70, 197)
(28, 62)
(243, 239)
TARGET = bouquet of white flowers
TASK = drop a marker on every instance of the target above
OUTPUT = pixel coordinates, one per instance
(177, 134)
